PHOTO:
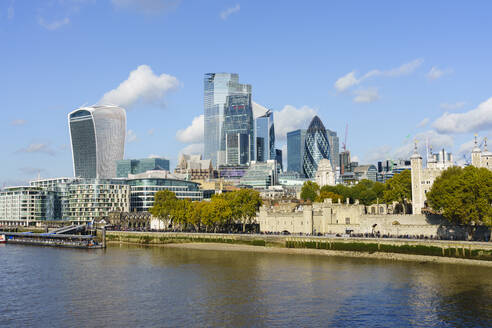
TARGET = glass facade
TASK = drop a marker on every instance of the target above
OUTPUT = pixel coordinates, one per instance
(143, 191)
(60, 187)
(97, 135)
(295, 150)
(24, 204)
(261, 175)
(136, 166)
(334, 148)
(316, 147)
(265, 137)
(223, 93)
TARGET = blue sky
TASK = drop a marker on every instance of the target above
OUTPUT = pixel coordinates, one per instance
(392, 71)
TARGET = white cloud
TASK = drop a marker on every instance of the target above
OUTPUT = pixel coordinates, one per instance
(142, 86)
(229, 11)
(196, 148)
(349, 80)
(151, 132)
(10, 11)
(18, 122)
(31, 171)
(436, 73)
(37, 148)
(434, 139)
(452, 106)
(366, 95)
(131, 136)
(54, 25)
(147, 6)
(193, 133)
(291, 118)
(423, 123)
(475, 120)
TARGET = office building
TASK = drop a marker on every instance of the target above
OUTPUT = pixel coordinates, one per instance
(334, 148)
(366, 172)
(144, 186)
(265, 137)
(223, 94)
(136, 166)
(195, 168)
(97, 135)
(279, 159)
(237, 149)
(295, 150)
(344, 162)
(316, 147)
(261, 175)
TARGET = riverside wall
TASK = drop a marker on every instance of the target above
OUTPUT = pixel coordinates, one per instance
(436, 248)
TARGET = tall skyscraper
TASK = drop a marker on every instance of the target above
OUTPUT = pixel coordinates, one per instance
(334, 148)
(316, 147)
(265, 137)
(223, 91)
(97, 135)
(295, 150)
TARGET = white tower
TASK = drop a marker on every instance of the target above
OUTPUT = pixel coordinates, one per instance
(476, 154)
(416, 172)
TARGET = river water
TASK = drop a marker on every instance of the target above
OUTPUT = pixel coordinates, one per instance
(170, 287)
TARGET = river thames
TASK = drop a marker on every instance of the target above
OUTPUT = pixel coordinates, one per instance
(126, 286)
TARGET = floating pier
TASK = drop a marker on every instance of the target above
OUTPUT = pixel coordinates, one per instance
(53, 239)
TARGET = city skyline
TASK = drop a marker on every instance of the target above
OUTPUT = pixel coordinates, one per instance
(387, 100)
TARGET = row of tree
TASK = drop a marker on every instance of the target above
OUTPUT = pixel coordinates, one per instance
(398, 188)
(222, 213)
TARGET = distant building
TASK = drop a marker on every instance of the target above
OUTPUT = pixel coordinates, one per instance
(295, 150)
(481, 158)
(387, 169)
(21, 205)
(232, 172)
(195, 168)
(136, 166)
(261, 175)
(325, 175)
(344, 162)
(316, 147)
(279, 159)
(97, 135)
(237, 149)
(265, 137)
(366, 172)
(291, 178)
(225, 97)
(334, 148)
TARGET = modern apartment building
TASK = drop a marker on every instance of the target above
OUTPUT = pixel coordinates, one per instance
(22, 205)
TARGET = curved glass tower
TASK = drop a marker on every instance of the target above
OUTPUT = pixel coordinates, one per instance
(97, 135)
(316, 147)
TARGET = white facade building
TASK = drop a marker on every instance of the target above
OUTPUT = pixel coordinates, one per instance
(20, 205)
(325, 175)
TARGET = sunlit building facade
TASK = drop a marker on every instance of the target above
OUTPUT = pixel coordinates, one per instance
(97, 135)
(295, 150)
(265, 137)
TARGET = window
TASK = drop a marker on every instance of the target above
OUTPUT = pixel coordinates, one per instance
(347, 220)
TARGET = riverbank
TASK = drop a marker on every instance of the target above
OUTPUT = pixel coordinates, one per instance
(458, 252)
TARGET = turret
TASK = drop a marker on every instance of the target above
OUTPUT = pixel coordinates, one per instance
(476, 154)
(416, 172)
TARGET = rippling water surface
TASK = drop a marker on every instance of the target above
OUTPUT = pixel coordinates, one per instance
(171, 287)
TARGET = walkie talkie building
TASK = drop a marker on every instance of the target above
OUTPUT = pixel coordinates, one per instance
(97, 135)
(316, 147)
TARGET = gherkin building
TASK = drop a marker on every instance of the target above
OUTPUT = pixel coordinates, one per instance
(316, 147)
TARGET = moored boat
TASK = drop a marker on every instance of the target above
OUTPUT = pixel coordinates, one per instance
(3, 240)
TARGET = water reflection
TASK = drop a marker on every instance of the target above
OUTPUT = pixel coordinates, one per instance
(170, 287)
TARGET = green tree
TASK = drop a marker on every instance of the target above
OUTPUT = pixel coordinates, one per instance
(398, 188)
(164, 205)
(324, 194)
(463, 196)
(309, 191)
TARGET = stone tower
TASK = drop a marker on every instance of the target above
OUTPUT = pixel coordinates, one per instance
(476, 154)
(417, 197)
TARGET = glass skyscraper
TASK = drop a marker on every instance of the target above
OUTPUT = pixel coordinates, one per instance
(223, 93)
(316, 147)
(97, 135)
(265, 137)
(295, 150)
(334, 148)
(136, 166)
